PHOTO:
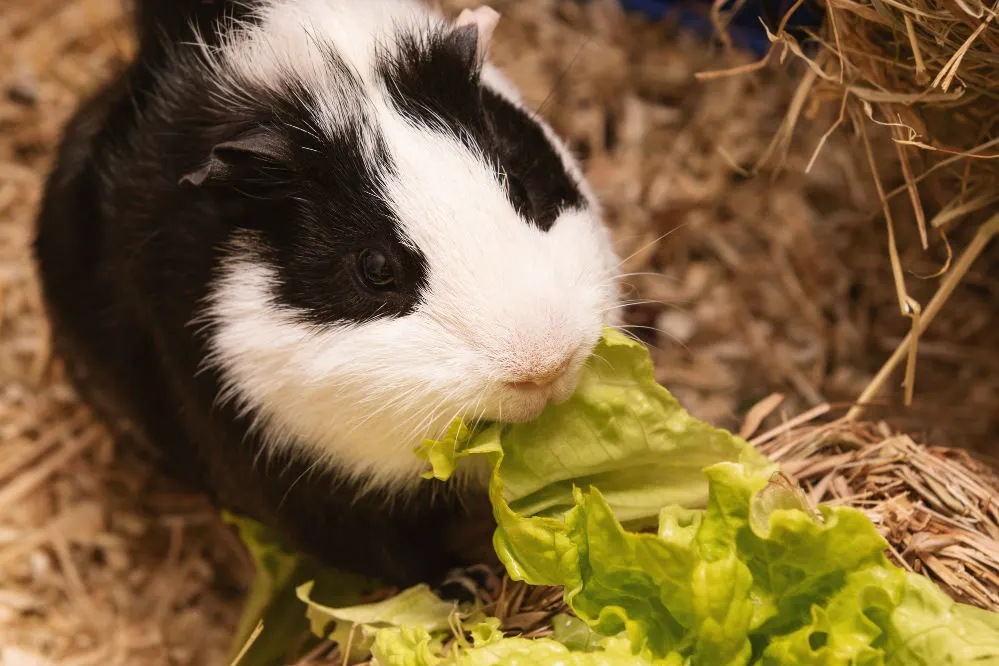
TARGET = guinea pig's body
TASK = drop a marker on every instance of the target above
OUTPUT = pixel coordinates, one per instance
(298, 236)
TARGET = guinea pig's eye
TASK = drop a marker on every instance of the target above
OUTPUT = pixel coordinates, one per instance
(376, 270)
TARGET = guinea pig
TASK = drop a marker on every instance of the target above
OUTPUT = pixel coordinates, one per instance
(294, 238)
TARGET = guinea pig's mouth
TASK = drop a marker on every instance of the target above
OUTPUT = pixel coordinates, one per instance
(522, 407)
(522, 401)
(526, 379)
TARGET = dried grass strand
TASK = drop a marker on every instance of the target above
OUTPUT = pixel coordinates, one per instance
(985, 234)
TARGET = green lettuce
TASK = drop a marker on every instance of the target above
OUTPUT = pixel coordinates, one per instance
(357, 626)
(675, 543)
(621, 431)
(401, 647)
(274, 600)
(740, 570)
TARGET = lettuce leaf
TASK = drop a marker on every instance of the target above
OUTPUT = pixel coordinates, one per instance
(621, 431)
(274, 568)
(273, 600)
(675, 543)
(573, 633)
(417, 647)
(741, 570)
(357, 625)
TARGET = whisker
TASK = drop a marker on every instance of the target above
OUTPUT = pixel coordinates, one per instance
(656, 330)
(671, 278)
(665, 235)
(601, 358)
(385, 406)
(421, 418)
(478, 402)
(629, 334)
(308, 470)
(561, 77)
(647, 302)
(640, 301)
(431, 414)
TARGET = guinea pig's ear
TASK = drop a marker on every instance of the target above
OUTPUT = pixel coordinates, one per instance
(239, 157)
(474, 28)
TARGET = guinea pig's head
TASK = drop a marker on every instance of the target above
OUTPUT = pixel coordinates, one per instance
(435, 251)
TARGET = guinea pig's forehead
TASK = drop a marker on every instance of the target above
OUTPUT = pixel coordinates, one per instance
(384, 89)
(328, 47)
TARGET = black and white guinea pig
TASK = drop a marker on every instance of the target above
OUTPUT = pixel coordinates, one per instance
(295, 238)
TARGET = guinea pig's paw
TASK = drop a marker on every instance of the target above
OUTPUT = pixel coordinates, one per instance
(465, 584)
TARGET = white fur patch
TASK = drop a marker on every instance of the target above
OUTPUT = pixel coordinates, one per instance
(285, 42)
(505, 301)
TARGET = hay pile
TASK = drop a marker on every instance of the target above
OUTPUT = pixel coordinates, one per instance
(937, 507)
(764, 284)
(923, 72)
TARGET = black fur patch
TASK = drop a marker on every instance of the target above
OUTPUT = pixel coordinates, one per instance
(159, 24)
(127, 257)
(433, 79)
(337, 213)
(312, 199)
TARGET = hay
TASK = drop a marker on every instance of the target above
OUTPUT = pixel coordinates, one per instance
(924, 72)
(763, 284)
(937, 507)
(101, 562)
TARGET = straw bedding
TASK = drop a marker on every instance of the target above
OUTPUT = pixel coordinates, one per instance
(923, 71)
(774, 283)
(937, 507)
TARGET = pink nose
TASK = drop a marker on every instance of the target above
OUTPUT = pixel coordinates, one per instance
(540, 376)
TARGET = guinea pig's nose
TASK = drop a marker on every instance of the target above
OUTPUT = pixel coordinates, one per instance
(540, 375)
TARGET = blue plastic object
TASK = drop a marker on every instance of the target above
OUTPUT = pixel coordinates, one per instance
(746, 29)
